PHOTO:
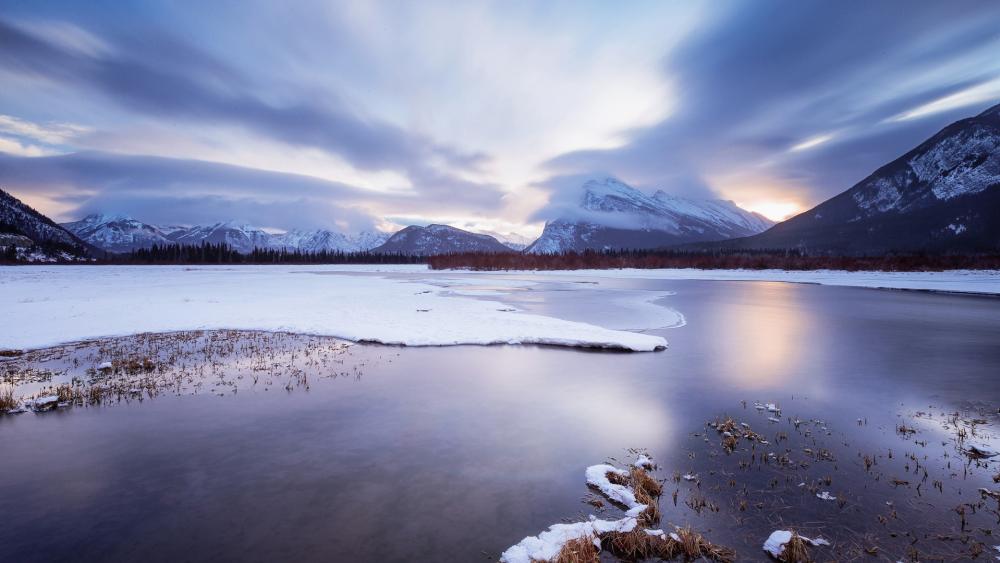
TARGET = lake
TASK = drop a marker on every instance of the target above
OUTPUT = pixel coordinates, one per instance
(456, 453)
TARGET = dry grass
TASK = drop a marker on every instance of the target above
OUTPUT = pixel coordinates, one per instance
(637, 545)
(643, 482)
(580, 550)
(795, 550)
(632, 545)
(7, 400)
(695, 545)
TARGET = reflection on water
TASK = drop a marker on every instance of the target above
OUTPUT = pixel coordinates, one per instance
(457, 453)
(770, 341)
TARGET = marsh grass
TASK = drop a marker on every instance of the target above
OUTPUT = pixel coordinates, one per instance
(638, 545)
(796, 550)
(147, 365)
(7, 400)
(579, 550)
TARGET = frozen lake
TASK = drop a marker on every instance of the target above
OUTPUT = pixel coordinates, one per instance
(456, 453)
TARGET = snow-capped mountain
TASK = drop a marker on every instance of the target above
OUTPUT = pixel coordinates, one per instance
(240, 237)
(36, 236)
(513, 241)
(612, 214)
(943, 195)
(116, 233)
(330, 241)
(439, 239)
(120, 233)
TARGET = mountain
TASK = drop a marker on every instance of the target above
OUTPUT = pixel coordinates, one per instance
(37, 237)
(513, 241)
(612, 214)
(116, 233)
(439, 239)
(330, 241)
(240, 237)
(120, 233)
(943, 196)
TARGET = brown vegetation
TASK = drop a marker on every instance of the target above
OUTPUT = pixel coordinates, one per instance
(7, 400)
(579, 550)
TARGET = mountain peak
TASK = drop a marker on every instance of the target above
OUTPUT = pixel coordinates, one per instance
(613, 214)
(439, 239)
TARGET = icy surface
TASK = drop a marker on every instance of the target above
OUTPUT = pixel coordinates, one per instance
(48, 305)
(959, 281)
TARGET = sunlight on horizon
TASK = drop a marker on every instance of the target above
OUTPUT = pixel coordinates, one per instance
(773, 210)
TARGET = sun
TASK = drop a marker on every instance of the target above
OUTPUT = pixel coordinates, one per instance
(773, 209)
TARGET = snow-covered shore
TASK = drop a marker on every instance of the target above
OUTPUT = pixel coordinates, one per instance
(49, 305)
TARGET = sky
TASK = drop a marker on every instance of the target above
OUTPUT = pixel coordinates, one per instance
(483, 115)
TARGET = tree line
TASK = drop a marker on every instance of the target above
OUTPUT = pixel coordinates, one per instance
(718, 259)
(222, 253)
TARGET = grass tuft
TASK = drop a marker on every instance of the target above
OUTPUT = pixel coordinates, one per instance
(795, 550)
(7, 400)
(579, 550)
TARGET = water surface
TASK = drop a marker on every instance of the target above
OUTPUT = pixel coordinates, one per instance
(456, 453)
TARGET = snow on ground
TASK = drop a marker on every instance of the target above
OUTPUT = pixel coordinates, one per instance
(48, 305)
(547, 545)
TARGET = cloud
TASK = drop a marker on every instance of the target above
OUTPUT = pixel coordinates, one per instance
(167, 78)
(97, 181)
(764, 77)
(48, 133)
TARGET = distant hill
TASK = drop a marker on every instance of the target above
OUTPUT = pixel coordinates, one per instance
(121, 233)
(37, 237)
(439, 239)
(941, 197)
(612, 215)
(116, 233)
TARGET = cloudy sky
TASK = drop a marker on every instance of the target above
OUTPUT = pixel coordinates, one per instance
(356, 114)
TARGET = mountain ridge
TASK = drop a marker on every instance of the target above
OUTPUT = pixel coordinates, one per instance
(611, 214)
(941, 196)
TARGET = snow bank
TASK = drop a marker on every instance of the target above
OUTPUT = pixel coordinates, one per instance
(48, 305)
(597, 476)
(546, 545)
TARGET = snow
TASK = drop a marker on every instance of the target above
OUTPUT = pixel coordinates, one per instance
(643, 462)
(597, 476)
(610, 203)
(775, 543)
(48, 305)
(546, 545)
(825, 495)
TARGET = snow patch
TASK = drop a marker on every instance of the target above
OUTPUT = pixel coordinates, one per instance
(775, 543)
(46, 305)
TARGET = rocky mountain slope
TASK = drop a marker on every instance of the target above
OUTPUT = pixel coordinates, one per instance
(35, 236)
(612, 214)
(439, 239)
(116, 233)
(942, 196)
